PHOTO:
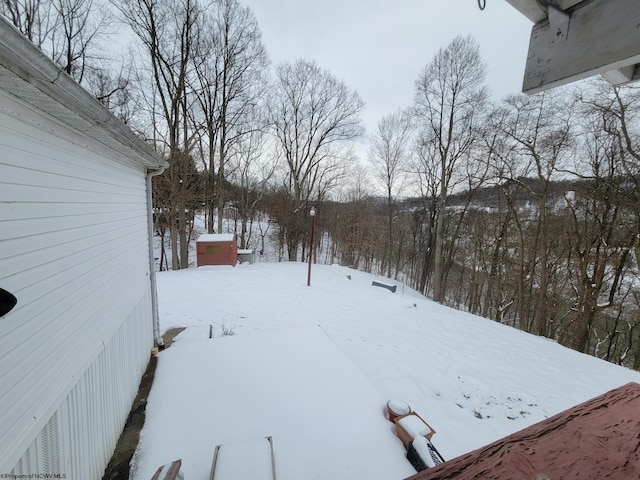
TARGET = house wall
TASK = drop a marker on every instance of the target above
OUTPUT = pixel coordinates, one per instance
(81, 435)
(74, 251)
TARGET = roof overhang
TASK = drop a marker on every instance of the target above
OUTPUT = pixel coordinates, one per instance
(595, 439)
(576, 39)
(28, 74)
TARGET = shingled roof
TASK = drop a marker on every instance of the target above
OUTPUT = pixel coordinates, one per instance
(596, 439)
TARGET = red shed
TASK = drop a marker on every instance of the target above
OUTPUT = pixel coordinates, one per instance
(217, 249)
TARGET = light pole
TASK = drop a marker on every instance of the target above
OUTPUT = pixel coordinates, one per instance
(312, 212)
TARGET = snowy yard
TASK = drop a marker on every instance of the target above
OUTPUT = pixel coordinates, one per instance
(314, 366)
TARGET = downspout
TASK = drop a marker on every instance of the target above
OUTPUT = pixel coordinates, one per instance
(157, 338)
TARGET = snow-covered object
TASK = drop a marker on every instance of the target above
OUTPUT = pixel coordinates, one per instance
(217, 249)
(475, 380)
(412, 426)
(292, 384)
(421, 445)
(397, 408)
(170, 471)
(594, 440)
(246, 460)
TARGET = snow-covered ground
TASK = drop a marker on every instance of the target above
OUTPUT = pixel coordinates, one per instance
(472, 379)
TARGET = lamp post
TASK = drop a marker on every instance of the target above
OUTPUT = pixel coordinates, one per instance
(312, 212)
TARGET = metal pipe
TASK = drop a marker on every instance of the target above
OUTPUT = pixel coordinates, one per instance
(157, 338)
(313, 227)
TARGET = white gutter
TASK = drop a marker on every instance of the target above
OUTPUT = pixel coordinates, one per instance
(31, 76)
(157, 338)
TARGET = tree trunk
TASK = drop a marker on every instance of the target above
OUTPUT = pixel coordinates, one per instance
(243, 230)
(438, 288)
(220, 194)
(493, 286)
(541, 307)
(173, 232)
(389, 232)
(182, 232)
(211, 208)
(292, 250)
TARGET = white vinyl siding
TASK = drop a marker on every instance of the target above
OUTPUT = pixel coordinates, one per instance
(80, 436)
(74, 251)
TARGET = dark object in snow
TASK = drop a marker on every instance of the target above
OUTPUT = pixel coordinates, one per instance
(246, 256)
(422, 454)
(414, 459)
(391, 288)
(596, 439)
(7, 302)
(170, 471)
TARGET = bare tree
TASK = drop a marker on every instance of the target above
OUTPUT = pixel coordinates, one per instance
(538, 128)
(169, 32)
(253, 168)
(598, 244)
(313, 114)
(604, 232)
(424, 168)
(229, 83)
(498, 297)
(626, 109)
(449, 97)
(80, 23)
(118, 88)
(34, 18)
(67, 30)
(389, 157)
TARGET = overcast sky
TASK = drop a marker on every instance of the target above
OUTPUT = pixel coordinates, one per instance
(378, 47)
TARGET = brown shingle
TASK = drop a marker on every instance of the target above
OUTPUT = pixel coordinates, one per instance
(594, 440)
